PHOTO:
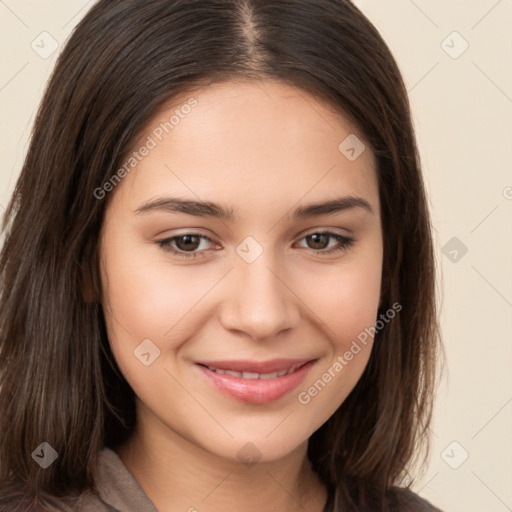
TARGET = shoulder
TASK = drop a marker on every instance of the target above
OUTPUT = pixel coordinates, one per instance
(408, 501)
(396, 499)
(91, 502)
(15, 500)
(115, 490)
(116, 486)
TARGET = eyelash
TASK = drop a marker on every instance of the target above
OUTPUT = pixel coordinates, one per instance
(165, 244)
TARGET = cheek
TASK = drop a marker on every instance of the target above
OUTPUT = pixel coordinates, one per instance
(150, 309)
(346, 302)
(346, 298)
(149, 302)
(354, 306)
(143, 299)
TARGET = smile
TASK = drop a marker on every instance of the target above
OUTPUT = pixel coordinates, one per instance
(255, 383)
(251, 375)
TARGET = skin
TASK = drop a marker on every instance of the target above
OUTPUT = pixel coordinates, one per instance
(262, 148)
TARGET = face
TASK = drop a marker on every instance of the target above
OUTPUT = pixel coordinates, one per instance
(219, 275)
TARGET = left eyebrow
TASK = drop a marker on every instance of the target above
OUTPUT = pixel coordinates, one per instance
(214, 210)
(335, 205)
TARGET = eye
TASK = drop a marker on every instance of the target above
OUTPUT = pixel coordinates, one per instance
(319, 239)
(188, 244)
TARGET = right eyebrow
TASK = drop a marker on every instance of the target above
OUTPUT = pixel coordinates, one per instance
(188, 206)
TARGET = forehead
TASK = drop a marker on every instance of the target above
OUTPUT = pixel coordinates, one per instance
(241, 142)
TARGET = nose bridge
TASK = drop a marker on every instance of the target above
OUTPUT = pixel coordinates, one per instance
(260, 303)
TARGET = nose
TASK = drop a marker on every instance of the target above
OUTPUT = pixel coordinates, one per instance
(260, 301)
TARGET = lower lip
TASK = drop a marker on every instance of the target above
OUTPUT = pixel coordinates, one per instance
(257, 391)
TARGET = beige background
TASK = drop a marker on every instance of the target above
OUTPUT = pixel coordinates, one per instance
(463, 115)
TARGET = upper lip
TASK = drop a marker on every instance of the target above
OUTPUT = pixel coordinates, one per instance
(274, 365)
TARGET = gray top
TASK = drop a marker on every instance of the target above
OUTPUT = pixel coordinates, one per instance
(118, 491)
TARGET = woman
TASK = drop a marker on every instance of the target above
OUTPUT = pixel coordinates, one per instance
(284, 361)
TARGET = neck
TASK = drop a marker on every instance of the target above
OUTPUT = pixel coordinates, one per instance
(178, 475)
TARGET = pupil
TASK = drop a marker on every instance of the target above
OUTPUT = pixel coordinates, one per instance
(315, 240)
(187, 239)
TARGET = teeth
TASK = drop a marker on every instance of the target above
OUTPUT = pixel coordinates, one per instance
(249, 375)
(252, 375)
(268, 375)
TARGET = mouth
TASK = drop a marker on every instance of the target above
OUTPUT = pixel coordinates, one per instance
(256, 382)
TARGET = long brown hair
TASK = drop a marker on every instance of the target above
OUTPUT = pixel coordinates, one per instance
(59, 382)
